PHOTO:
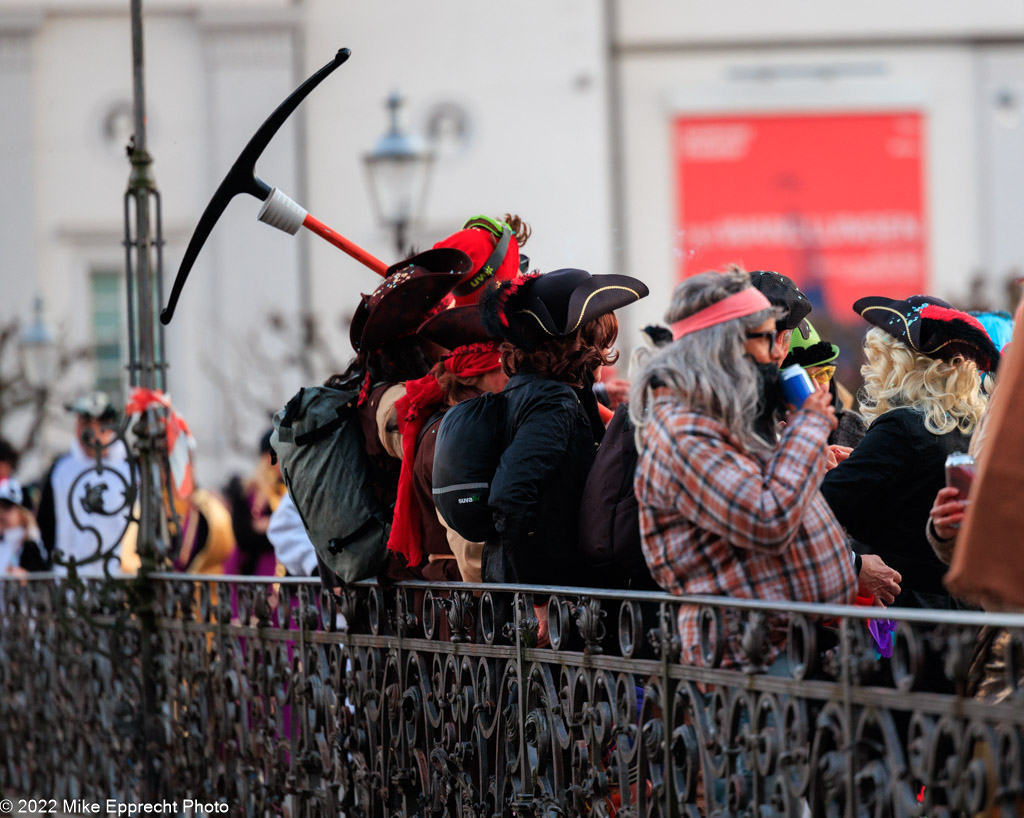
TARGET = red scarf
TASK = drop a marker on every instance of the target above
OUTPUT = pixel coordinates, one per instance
(422, 398)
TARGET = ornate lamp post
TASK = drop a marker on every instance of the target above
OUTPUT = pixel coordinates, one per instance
(143, 242)
(398, 175)
(39, 352)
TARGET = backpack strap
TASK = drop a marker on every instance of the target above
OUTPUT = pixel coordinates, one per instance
(430, 422)
(291, 409)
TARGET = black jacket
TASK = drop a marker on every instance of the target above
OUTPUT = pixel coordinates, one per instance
(536, 490)
(882, 495)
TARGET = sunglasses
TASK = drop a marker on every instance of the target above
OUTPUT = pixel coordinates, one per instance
(771, 336)
(824, 374)
(497, 229)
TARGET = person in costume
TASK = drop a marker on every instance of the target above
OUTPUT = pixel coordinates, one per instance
(252, 501)
(922, 400)
(948, 508)
(97, 515)
(556, 329)
(817, 357)
(389, 353)
(783, 293)
(422, 545)
(202, 540)
(21, 546)
(792, 307)
(723, 510)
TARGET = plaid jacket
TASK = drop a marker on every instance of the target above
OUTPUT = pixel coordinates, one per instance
(717, 520)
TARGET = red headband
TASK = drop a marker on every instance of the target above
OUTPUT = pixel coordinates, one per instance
(472, 359)
(745, 302)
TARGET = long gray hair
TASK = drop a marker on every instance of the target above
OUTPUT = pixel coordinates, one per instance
(708, 371)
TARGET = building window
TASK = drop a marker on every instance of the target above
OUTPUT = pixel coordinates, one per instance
(108, 331)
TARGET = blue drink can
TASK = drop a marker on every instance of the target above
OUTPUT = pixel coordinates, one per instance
(796, 385)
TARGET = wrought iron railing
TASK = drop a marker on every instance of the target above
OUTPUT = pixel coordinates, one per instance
(273, 697)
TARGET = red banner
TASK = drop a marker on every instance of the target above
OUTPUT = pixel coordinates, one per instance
(834, 201)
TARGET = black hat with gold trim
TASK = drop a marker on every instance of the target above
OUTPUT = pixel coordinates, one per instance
(531, 308)
(931, 327)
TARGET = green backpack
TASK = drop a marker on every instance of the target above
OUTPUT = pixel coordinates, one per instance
(320, 445)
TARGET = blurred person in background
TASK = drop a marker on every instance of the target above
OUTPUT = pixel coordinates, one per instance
(76, 526)
(8, 459)
(922, 401)
(294, 550)
(21, 547)
(251, 501)
(202, 539)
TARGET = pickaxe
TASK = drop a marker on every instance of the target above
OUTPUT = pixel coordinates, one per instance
(278, 210)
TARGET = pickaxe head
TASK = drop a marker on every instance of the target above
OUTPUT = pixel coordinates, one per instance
(242, 177)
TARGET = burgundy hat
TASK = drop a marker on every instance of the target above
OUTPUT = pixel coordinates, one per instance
(931, 327)
(455, 327)
(534, 307)
(410, 291)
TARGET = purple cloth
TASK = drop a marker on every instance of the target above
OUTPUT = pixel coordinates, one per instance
(883, 631)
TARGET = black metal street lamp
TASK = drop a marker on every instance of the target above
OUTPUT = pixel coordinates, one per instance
(39, 351)
(398, 174)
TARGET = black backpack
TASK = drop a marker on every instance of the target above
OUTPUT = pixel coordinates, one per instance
(470, 442)
(320, 445)
(609, 522)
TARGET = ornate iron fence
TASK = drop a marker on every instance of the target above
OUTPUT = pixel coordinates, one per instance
(277, 698)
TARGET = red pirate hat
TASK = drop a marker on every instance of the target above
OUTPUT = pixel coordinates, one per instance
(410, 291)
(493, 250)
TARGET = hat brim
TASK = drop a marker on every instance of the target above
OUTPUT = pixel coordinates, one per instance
(412, 288)
(600, 295)
(817, 355)
(455, 327)
(108, 413)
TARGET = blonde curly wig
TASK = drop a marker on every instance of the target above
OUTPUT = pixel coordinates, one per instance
(947, 393)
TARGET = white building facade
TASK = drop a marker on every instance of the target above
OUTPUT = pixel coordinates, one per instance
(623, 132)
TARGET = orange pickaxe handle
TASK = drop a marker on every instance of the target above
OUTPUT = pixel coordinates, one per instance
(339, 241)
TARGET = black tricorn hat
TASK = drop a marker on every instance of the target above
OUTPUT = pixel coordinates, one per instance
(782, 292)
(532, 308)
(455, 327)
(411, 289)
(931, 327)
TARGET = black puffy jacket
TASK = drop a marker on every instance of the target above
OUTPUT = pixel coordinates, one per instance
(536, 490)
(882, 495)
